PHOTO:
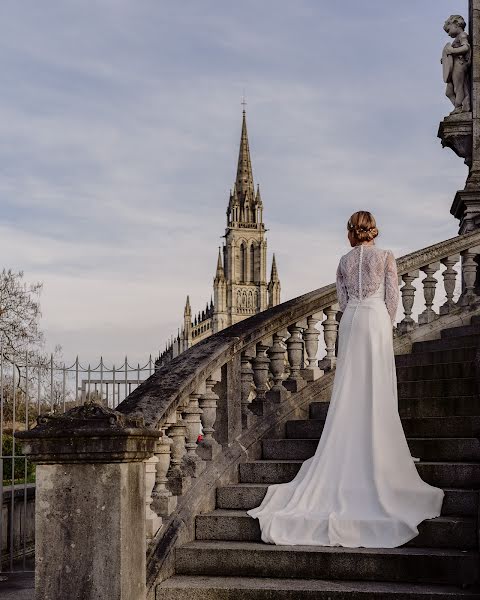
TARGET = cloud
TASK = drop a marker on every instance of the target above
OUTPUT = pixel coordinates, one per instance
(119, 130)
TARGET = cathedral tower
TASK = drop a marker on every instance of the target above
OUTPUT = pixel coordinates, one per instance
(245, 249)
(240, 285)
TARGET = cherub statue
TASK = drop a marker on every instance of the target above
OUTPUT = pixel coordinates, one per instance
(456, 59)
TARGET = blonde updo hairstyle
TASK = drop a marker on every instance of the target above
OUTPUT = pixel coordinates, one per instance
(362, 227)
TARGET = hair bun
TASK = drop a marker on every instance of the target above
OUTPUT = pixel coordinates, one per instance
(362, 226)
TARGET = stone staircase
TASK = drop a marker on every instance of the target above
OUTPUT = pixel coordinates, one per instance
(440, 412)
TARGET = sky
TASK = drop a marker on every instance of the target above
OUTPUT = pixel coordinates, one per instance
(119, 131)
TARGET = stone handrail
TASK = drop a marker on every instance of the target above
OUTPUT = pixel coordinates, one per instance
(228, 386)
(183, 375)
(235, 388)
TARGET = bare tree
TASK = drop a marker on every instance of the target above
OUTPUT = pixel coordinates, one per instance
(19, 315)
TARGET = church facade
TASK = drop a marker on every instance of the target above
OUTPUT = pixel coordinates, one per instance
(240, 286)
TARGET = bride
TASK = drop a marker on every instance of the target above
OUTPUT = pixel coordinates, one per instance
(361, 488)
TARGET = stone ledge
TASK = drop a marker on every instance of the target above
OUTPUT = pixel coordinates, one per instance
(86, 434)
(456, 133)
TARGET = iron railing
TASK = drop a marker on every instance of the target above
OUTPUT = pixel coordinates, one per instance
(29, 386)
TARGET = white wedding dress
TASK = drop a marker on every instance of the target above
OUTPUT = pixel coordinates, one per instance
(361, 488)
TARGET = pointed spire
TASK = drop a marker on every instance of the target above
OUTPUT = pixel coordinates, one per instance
(244, 182)
(258, 197)
(274, 275)
(188, 310)
(220, 273)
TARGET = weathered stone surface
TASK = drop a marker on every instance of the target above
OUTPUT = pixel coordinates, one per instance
(90, 532)
(184, 587)
(90, 535)
(236, 525)
(308, 562)
(244, 496)
(439, 474)
(455, 131)
(88, 433)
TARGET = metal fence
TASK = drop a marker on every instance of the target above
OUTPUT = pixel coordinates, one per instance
(30, 386)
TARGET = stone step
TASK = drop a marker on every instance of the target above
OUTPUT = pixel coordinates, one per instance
(441, 474)
(236, 525)
(430, 449)
(305, 428)
(434, 357)
(445, 449)
(407, 564)
(451, 426)
(461, 331)
(421, 406)
(466, 341)
(439, 406)
(185, 587)
(435, 371)
(445, 427)
(244, 496)
(437, 388)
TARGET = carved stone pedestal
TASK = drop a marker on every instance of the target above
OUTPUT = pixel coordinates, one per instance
(90, 537)
(455, 131)
(466, 208)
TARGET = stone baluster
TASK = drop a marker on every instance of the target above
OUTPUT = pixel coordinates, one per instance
(247, 387)
(429, 286)
(164, 502)
(408, 297)
(260, 378)
(194, 464)
(310, 337)
(469, 276)
(153, 522)
(330, 332)
(276, 354)
(178, 479)
(208, 448)
(449, 281)
(295, 382)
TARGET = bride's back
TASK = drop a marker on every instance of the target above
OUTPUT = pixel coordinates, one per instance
(363, 269)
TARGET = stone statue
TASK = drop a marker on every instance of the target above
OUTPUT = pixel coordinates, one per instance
(456, 60)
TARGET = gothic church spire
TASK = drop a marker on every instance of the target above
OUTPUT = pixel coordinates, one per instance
(244, 182)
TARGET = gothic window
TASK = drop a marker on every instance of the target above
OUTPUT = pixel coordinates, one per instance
(243, 262)
(252, 263)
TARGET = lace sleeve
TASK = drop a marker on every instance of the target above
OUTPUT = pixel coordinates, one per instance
(391, 285)
(342, 294)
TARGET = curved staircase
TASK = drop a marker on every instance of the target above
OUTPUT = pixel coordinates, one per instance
(440, 410)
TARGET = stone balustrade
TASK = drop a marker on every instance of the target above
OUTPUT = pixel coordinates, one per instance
(212, 404)
(278, 356)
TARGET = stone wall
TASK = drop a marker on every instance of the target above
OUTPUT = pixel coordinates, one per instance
(20, 513)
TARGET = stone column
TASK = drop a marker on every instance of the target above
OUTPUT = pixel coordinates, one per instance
(449, 280)
(246, 388)
(429, 286)
(260, 365)
(295, 382)
(276, 354)
(209, 447)
(310, 337)
(90, 537)
(408, 297)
